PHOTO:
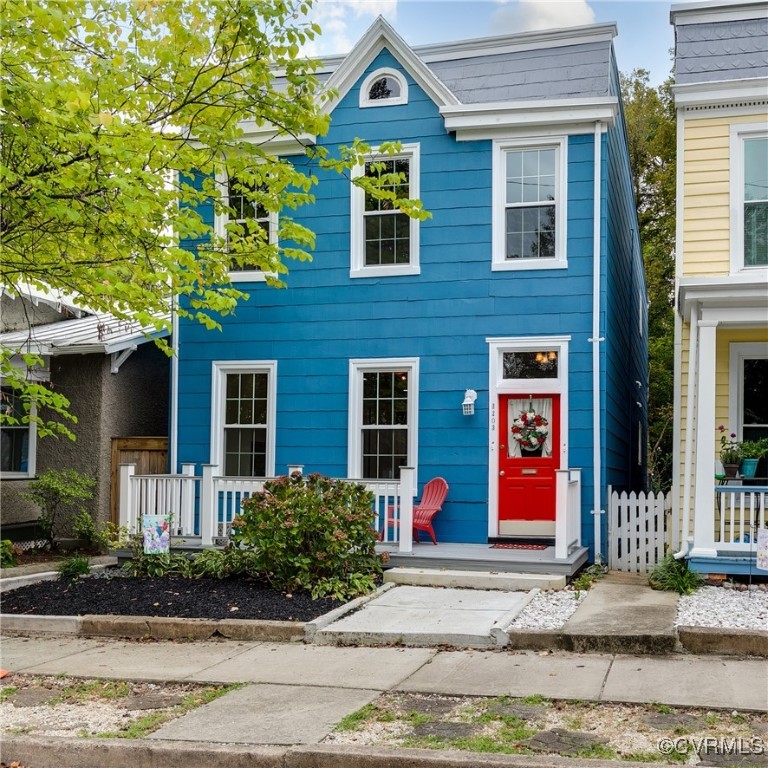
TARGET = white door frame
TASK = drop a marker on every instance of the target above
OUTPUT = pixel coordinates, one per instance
(498, 385)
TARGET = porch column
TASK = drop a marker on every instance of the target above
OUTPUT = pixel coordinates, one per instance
(704, 486)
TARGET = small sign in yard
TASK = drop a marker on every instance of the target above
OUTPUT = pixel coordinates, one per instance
(156, 531)
(762, 549)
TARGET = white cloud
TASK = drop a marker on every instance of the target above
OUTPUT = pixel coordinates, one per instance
(530, 15)
(344, 21)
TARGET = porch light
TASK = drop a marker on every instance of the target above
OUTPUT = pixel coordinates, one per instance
(468, 406)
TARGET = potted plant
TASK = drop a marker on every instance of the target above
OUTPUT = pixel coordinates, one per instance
(751, 453)
(730, 452)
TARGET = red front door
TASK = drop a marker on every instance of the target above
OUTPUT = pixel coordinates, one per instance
(529, 455)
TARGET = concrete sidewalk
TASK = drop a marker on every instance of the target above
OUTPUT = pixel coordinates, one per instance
(295, 694)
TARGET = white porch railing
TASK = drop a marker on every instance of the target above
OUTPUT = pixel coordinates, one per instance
(740, 512)
(568, 514)
(204, 506)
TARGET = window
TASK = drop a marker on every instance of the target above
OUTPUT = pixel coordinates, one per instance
(17, 443)
(244, 209)
(749, 196)
(541, 364)
(384, 88)
(529, 206)
(383, 414)
(385, 241)
(748, 383)
(244, 419)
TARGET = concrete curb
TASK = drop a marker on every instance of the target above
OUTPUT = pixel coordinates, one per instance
(534, 639)
(9, 583)
(53, 752)
(156, 627)
(725, 642)
(311, 628)
(501, 628)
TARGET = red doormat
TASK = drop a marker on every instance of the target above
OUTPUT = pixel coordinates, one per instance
(506, 545)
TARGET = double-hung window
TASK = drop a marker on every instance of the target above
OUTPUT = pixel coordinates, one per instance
(17, 441)
(529, 214)
(245, 211)
(383, 416)
(385, 241)
(749, 196)
(243, 428)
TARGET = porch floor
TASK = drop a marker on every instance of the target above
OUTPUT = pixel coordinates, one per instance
(481, 557)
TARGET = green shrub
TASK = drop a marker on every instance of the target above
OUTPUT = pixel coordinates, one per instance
(223, 564)
(311, 532)
(675, 576)
(165, 564)
(97, 536)
(9, 554)
(57, 492)
(73, 567)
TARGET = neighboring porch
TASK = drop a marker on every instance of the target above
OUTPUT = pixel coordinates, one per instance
(723, 373)
(203, 507)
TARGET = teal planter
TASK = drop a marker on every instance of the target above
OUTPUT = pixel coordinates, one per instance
(748, 467)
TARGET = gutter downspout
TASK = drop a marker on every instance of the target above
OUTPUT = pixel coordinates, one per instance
(174, 415)
(597, 512)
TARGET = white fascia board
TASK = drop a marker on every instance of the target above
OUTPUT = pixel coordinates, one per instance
(381, 35)
(717, 10)
(721, 92)
(749, 292)
(486, 120)
(274, 140)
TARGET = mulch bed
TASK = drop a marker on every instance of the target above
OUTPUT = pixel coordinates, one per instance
(165, 596)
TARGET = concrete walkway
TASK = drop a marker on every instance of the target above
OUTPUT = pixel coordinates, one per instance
(295, 694)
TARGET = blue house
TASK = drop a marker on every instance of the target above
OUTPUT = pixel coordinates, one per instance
(500, 344)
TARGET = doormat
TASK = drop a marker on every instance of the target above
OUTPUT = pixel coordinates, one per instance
(506, 545)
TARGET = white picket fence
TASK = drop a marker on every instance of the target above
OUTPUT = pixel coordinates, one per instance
(637, 531)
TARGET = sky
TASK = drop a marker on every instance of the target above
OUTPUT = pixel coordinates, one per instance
(644, 40)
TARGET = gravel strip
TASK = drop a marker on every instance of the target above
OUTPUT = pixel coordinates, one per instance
(549, 610)
(727, 608)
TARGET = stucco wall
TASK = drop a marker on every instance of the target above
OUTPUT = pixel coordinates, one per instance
(16, 314)
(131, 403)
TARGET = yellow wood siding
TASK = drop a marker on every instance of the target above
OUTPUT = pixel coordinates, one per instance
(706, 193)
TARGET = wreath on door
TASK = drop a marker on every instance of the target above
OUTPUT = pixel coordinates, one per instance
(530, 429)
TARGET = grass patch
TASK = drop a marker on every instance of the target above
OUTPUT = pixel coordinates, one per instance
(662, 709)
(536, 700)
(93, 689)
(654, 757)
(357, 720)
(484, 743)
(598, 752)
(142, 727)
(6, 691)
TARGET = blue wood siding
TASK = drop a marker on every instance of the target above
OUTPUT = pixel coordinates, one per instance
(626, 322)
(442, 316)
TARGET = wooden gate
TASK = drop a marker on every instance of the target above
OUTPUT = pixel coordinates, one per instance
(149, 454)
(637, 530)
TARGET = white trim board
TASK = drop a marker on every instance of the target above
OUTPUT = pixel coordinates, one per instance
(499, 386)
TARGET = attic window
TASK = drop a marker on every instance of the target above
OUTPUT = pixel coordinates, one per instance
(383, 88)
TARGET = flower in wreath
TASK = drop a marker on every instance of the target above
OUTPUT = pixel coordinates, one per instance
(530, 429)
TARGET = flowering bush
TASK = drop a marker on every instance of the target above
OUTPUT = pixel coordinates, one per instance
(311, 532)
(530, 429)
(730, 448)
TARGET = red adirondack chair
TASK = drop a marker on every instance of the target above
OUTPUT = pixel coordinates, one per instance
(431, 503)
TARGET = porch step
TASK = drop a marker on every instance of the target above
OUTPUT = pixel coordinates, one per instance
(486, 580)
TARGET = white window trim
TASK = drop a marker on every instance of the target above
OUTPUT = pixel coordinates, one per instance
(365, 88)
(31, 452)
(738, 352)
(357, 228)
(219, 371)
(740, 132)
(355, 425)
(500, 147)
(498, 385)
(219, 228)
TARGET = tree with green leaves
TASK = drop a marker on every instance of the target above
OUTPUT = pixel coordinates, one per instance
(120, 117)
(651, 130)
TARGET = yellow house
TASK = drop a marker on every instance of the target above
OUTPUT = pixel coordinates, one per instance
(721, 331)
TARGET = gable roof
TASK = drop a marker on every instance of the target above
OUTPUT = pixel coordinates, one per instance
(381, 35)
